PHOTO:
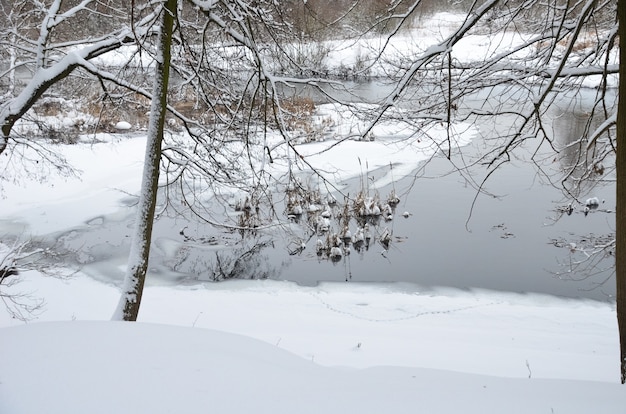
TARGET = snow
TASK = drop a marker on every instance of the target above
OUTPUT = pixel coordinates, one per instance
(109, 169)
(123, 126)
(274, 347)
(395, 142)
(109, 172)
(426, 39)
(255, 377)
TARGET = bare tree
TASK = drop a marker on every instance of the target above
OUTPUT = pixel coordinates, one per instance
(18, 256)
(222, 72)
(132, 290)
(19, 305)
(51, 61)
(539, 56)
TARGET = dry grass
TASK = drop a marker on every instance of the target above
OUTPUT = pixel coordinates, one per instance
(297, 113)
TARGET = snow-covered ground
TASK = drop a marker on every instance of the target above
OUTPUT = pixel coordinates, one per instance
(273, 346)
(276, 347)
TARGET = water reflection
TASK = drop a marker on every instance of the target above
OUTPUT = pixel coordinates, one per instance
(583, 162)
(246, 260)
(510, 245)
(183, 251)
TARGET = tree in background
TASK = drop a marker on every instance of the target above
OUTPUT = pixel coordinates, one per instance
(48, 57)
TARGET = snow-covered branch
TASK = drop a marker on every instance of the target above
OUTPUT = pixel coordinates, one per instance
(428, 56)
(46, 76)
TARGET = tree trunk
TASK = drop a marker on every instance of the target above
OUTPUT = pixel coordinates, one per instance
(128, 306)
(620, 217)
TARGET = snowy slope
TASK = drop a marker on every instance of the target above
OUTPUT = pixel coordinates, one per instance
(107, 367)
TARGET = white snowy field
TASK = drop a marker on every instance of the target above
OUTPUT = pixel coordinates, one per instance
(384, 56)
(275, 347)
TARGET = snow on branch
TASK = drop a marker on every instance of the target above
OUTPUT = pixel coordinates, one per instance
(45, 77)
(428, 56)
(601, 129)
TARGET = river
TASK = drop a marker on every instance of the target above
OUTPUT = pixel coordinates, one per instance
(509, 239)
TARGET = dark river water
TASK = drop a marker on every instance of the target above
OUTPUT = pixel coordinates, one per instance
(510, 240)
(508, 243)
(516, 240)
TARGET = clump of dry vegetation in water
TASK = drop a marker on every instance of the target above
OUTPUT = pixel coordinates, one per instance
(340, 227)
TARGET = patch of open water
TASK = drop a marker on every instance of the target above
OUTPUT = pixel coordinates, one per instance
(509, 243)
